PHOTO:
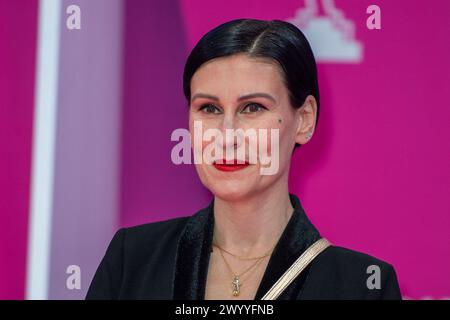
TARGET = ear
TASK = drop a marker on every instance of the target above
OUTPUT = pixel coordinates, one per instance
(306, 116)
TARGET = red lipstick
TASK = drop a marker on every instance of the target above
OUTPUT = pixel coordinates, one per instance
(230, 166)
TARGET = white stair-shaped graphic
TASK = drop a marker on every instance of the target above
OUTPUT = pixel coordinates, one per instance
(332, 36)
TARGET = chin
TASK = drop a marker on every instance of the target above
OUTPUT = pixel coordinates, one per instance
(229, 195)
(231, 190)
(236, 186)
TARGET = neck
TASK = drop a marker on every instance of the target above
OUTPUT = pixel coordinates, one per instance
(252, 227)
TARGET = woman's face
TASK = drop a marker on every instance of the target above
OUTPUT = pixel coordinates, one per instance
(216, 103)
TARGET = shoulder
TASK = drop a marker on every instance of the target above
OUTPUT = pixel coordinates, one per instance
(346, 258)
(159, 230)
(143, 252)
(357, 275)
(150, 237)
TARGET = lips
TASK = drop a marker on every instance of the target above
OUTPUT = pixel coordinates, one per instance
(230, 166)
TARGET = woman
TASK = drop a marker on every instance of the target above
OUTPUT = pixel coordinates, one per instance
(243, 75)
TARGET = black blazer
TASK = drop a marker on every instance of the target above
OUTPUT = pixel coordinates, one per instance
(169, 260)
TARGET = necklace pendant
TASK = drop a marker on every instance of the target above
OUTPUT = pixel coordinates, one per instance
(236, 286)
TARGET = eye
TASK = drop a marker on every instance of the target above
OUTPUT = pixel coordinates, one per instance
(210, 108)
(253, 107)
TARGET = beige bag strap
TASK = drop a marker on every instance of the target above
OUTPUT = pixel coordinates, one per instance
(296, 268)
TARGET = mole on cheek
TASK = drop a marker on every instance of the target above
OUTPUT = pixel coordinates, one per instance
(279, 120)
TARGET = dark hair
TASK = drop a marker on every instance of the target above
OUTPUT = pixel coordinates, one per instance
(275, 39)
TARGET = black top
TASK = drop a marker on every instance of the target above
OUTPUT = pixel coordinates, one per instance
(169, 260)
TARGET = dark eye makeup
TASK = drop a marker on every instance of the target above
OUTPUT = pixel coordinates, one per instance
(251, 107)
(209, 108)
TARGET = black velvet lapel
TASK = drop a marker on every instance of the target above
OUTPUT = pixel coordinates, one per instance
(192, 257)
(194, 250)
(298, 235)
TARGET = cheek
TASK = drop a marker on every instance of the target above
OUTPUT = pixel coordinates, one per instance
(287, 143)
(276, 132)
(198, 126)
(280, 154)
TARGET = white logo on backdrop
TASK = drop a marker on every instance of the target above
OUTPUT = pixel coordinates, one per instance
(332, 36)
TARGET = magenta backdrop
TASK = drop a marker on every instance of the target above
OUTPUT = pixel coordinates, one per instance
(375, 176)
(18, 30)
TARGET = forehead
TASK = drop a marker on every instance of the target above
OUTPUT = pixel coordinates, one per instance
(238, 74)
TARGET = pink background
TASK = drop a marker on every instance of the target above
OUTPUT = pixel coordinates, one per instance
(375, 176)
(17, 61)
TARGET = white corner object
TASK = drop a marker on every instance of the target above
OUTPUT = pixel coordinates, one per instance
(332, 36)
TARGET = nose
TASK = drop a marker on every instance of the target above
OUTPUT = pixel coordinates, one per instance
(231, 133)
(227, 129)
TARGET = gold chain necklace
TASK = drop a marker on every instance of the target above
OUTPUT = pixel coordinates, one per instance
(236, 281)
(241, 257)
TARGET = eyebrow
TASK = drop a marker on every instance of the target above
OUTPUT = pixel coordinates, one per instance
(244, 97)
